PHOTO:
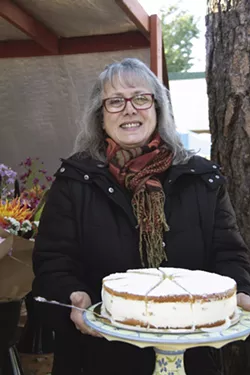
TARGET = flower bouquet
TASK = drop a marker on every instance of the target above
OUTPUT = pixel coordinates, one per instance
(20, 209)
(21, 204)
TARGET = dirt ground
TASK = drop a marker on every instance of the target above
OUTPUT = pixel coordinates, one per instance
(36, 364)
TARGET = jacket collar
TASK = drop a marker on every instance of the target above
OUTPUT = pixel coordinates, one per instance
(78, 168)
(209, 172)
(82, 168)
(196, 165)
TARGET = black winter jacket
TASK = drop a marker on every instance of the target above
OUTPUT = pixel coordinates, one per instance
(88, 230)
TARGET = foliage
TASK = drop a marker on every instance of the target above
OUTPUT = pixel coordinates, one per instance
(20, 208)
(179, 29)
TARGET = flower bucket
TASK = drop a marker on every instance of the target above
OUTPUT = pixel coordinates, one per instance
(9, 317)
(16, 274)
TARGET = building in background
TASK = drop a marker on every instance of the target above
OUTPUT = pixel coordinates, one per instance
(200, 143)
(190, 106)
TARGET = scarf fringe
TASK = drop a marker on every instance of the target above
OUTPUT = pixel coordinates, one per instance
(137, 169)
(152, 226)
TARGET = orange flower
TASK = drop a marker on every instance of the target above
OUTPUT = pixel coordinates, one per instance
(14, 209)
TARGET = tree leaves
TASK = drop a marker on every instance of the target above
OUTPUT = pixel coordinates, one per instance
(179, 29)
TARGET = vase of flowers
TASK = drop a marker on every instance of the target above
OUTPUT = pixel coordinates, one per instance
(21, 203)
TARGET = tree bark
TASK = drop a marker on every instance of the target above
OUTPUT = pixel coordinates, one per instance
(228, 87)
(228, 82)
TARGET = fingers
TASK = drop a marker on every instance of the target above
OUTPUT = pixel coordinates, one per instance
(88, 330)
(75, 297)
(82, 300)
(243, 300)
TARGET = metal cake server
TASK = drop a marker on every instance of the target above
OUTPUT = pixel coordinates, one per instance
(44, 300)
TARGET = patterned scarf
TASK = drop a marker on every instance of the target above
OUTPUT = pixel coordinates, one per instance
(136, 169)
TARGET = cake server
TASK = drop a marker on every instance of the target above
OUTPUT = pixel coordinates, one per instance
(44, 300)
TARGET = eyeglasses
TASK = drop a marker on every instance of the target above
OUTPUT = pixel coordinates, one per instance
(118, 104)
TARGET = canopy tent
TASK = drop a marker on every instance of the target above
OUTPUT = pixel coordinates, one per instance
(50, 54)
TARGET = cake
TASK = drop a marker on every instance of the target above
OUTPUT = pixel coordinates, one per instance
(171, 298)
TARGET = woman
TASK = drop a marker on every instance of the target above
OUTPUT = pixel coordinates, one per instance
(130, 173)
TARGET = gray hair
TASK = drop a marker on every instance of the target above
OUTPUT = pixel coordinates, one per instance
(91, 139)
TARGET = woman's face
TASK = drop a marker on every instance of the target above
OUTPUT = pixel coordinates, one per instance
(131, 127)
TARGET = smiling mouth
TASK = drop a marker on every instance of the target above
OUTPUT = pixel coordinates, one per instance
(131, 125)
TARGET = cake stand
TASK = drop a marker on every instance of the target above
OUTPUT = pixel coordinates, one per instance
(169, 347)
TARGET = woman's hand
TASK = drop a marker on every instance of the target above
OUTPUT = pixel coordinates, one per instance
(82, 300)
(243, 300)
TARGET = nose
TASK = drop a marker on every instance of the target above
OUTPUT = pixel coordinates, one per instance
(129, 109)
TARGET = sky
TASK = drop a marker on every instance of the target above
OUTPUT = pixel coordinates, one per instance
(194, 7)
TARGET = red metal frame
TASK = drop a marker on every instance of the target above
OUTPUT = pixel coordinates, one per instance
(44, 42)
(29, 25)
(136, 14)
(71, 46)
(156, 45)
(103, 43)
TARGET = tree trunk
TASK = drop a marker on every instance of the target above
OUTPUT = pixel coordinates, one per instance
(228, 85)
(228, 80)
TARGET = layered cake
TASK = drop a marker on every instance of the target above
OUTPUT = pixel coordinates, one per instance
(171, 298)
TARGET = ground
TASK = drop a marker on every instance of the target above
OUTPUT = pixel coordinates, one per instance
(33, 364)
(36, 364)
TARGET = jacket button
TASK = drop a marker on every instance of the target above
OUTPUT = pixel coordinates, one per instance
(62, 170)
(211, 180)
(86, 177)
(100, 165)
(163, 244)
(111, 190)
(217, 176)
(192, 170)
(215, 166)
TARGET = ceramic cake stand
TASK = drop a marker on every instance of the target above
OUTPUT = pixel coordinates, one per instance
(169, 347)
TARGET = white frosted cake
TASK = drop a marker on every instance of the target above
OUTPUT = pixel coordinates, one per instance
(169, 298)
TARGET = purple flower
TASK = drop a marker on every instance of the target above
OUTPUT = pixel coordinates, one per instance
(7, 172)
(48, 178)
(10, 180)
(3, 167)
(10, 173)
(28, 162)
(35, 181)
